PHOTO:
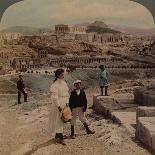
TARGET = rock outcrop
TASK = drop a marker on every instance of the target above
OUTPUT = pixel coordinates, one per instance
(145, 96)
(145, 131)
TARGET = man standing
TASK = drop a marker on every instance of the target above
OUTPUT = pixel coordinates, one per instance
(103, 80)
(21, 89)
(78, 105)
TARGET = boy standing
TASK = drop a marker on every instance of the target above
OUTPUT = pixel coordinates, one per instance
(103, 80)
(78, 105)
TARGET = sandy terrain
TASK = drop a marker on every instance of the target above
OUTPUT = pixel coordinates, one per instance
(24, 133)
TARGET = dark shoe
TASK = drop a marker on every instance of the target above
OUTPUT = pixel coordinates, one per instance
(59, 138)
(56, 136)
(72, 132)
(59, 141)
(72, 136)
(88, 130)
(62, 142)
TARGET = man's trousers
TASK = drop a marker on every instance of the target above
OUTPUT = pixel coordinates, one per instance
(19, 95)
(78, 112)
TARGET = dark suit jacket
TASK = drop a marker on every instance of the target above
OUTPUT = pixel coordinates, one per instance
(20, 85)
(76, 101)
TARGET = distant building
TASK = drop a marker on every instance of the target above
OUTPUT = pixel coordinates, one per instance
(24, 63)
(42, 53)
(61, 28)
(5, 37)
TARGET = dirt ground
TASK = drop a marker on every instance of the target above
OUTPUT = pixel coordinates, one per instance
(24, 133)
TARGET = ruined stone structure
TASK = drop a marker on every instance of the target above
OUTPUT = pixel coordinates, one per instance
(4, 55)
(145, 132)
(80, 61)
(42, 53)
(145, 96)
(145, 115)
(145, 129)
(61, 28)
(67, 33)
(107, 38)
(21, 63)
(93, 37)
(24, 62)
(88, 61)
(43, 47)
(5, 37)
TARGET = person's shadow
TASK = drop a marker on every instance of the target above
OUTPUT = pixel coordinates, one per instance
(48, 143)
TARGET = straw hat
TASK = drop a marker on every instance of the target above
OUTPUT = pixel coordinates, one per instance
(77, 81)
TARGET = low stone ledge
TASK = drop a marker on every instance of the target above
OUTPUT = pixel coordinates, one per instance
(143, 111)
(104, 105)
(145, 96)
(145, 131)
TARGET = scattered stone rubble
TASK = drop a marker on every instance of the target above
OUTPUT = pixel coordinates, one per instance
(140, 121)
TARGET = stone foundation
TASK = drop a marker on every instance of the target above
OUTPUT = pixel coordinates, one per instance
(145, 96)
(145, 131)
(143, 111)
(104, 105)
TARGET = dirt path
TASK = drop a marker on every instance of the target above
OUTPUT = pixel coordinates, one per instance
(22, 133)
(8, 124)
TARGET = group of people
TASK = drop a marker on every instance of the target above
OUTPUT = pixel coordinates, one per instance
(60, 97)
(77, 102)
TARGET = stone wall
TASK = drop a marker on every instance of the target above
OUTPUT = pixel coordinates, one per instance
(145, 132)
(105, 105)
(143, 111)
(145, 128)
(145, 96)
(61, 28)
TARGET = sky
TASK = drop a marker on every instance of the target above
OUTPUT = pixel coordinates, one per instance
(47, 13)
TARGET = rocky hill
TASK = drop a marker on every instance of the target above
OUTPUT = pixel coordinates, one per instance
(133, 30)
(97, 26)
(100, 27)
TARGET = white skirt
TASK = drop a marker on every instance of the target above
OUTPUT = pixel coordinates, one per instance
(55, 124)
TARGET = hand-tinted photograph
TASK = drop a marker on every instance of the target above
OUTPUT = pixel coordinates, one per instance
(77, 77)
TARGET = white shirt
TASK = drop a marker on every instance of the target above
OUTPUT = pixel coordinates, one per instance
(59, 93)
(78, 92)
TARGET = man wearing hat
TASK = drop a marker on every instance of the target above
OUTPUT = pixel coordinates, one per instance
(21, 89)
(78, 106)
